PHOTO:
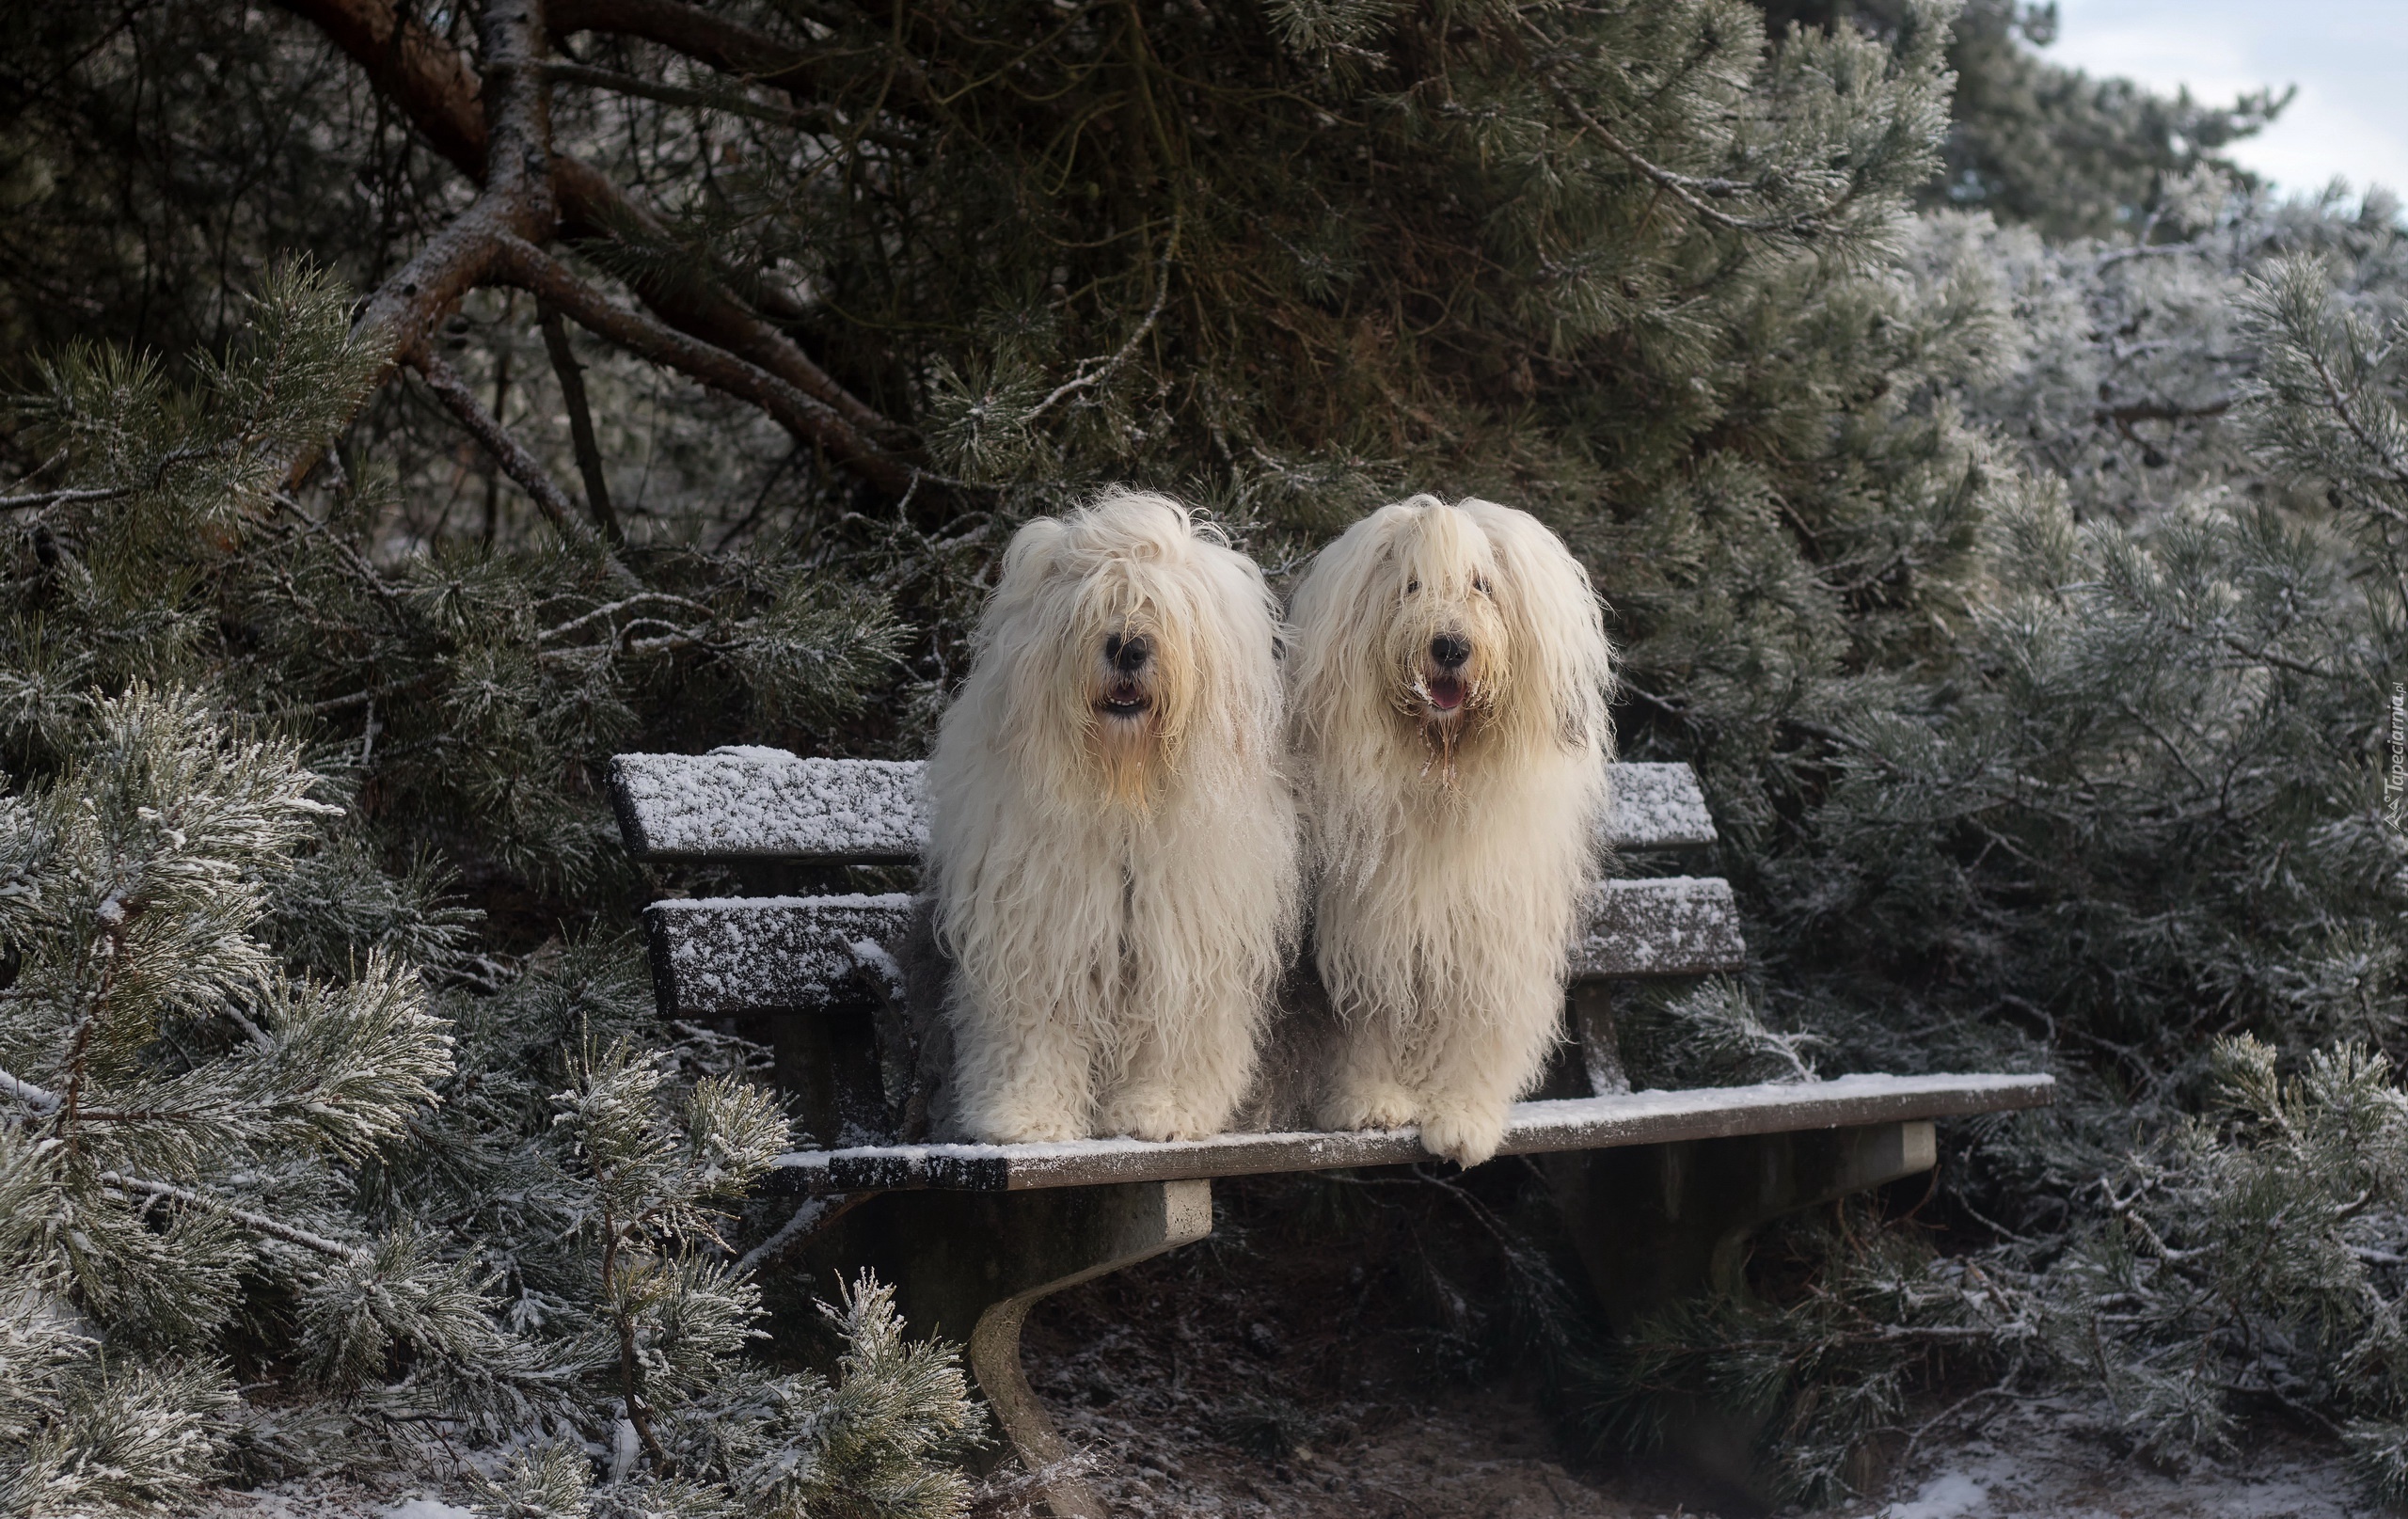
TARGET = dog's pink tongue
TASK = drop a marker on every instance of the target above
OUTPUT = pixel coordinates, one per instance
(1445, 693)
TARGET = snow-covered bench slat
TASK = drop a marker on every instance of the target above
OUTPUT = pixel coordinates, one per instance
(1592, 1123)
(750, 802)
(1664, 926)
(716, 957)
(722, 955)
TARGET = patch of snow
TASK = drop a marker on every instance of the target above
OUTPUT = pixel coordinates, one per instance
(1950, 1496)
(428, 1509)
(2057, 1458)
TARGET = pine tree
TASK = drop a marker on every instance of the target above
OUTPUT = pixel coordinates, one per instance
(2135, 804)
(2037, 144)
(271, 1116)
(181, 1105)
(208, 1160)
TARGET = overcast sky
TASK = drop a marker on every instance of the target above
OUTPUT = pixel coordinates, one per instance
(2349, 58)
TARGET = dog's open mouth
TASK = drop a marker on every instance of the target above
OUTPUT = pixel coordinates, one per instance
(1124, 701)
(1443, 694)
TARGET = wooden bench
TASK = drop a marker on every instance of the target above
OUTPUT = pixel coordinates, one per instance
(1660, 1189)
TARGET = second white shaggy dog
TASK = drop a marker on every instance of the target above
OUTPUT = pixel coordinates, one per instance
(1447, 695)
(1113, 846)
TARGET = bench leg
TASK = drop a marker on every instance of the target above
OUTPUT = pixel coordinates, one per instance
(1655, 1223)
(970, 1266)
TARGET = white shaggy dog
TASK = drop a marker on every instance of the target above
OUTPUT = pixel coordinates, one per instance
(1448, 698)
(1113, 848)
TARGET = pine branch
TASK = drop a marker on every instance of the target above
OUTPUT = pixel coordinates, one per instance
(806, 117)
(516, 461)
(1698, 194)
(39, 1099)
(520, 263)
(1104, 371)
(442, 97)
(429, 79)
(256, 1223)
(580, 422)
(809, 1219)
(728, 46)
(518, 112)
(48, 498)
(613, 608)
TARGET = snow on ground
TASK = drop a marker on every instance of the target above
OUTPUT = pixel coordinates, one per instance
(342, 1498)
(2049, 1459)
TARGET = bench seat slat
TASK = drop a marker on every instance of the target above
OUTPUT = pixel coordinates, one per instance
(717, 957)
(1534, 1128)
(748, 803)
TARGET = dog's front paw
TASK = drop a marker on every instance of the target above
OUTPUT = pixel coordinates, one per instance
(1372, 1106)
(1148, 1115)
(1465, 1135)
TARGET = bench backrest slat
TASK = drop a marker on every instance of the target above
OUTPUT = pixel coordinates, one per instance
(753, 803)
(725, 956)
(719, 957)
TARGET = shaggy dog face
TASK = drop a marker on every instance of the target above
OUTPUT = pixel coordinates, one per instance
(1113, 847)
(1447, 696)
(1447, 639)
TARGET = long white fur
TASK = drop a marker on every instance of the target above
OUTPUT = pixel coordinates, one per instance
(1450, 861)
(1118, 909)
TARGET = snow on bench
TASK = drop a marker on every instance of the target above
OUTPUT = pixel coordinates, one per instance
(750, 802)
(1592, 1123)
(718, 956)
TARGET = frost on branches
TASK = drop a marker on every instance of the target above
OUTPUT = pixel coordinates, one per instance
(264, 1220)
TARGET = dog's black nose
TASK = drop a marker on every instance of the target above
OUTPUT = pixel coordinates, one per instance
(1128, 655)
(1450, 650)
